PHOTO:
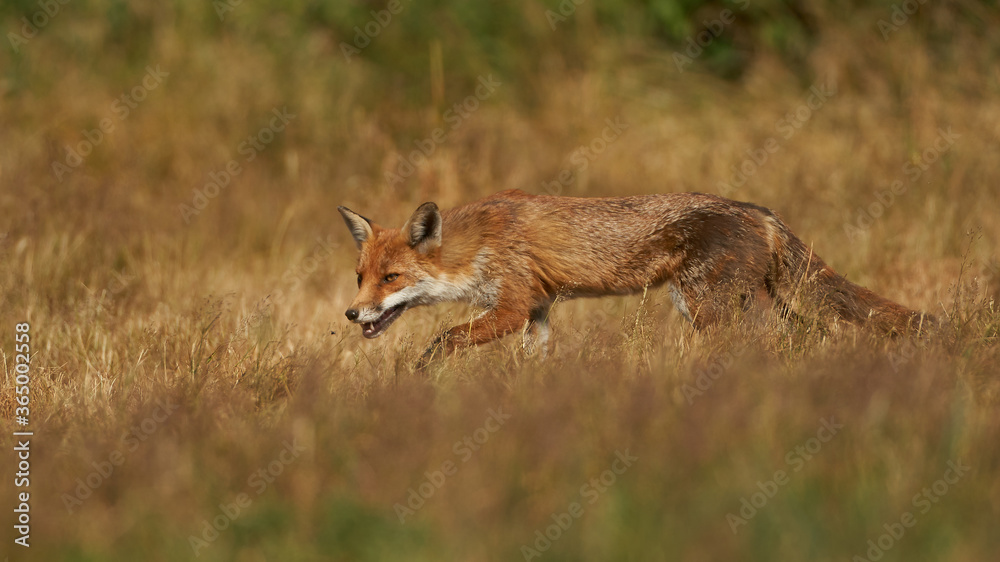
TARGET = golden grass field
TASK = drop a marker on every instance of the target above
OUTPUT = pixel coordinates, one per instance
(196, 392)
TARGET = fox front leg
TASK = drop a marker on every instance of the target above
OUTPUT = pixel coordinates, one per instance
(536, 332)
(489, 326)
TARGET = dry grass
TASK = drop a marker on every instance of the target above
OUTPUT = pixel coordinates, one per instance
(229, 316)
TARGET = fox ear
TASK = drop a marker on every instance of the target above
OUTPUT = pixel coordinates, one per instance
(360, 227)
(423, 230)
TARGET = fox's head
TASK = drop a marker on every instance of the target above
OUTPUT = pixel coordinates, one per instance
(396, 269)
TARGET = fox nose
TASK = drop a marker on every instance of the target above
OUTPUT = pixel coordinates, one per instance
(352, 314)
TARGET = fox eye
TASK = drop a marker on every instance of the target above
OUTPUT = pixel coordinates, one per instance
(391, 277)
(359, 280)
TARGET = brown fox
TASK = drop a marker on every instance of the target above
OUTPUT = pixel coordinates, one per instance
(512, 254)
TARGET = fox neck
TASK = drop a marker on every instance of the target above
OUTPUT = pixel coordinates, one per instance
(464, 284)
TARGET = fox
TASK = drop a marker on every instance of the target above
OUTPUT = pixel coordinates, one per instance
(513, 254)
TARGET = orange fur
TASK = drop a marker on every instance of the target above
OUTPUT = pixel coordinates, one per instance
(514, 253)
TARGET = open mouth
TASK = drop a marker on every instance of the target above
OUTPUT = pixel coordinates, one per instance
(374, 329)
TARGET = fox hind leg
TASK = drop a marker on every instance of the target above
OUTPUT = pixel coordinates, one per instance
(680, 301)
(722, 301)
(697, 307)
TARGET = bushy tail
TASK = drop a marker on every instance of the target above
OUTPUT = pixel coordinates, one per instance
(802, 277)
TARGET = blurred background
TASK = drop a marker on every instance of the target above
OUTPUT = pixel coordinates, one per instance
(169, 174)
(363, 93)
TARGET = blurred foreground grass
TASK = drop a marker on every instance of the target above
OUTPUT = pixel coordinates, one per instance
(177, 354)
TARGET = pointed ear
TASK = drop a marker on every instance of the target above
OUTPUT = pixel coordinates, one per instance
(360, 227)
(423, 230)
